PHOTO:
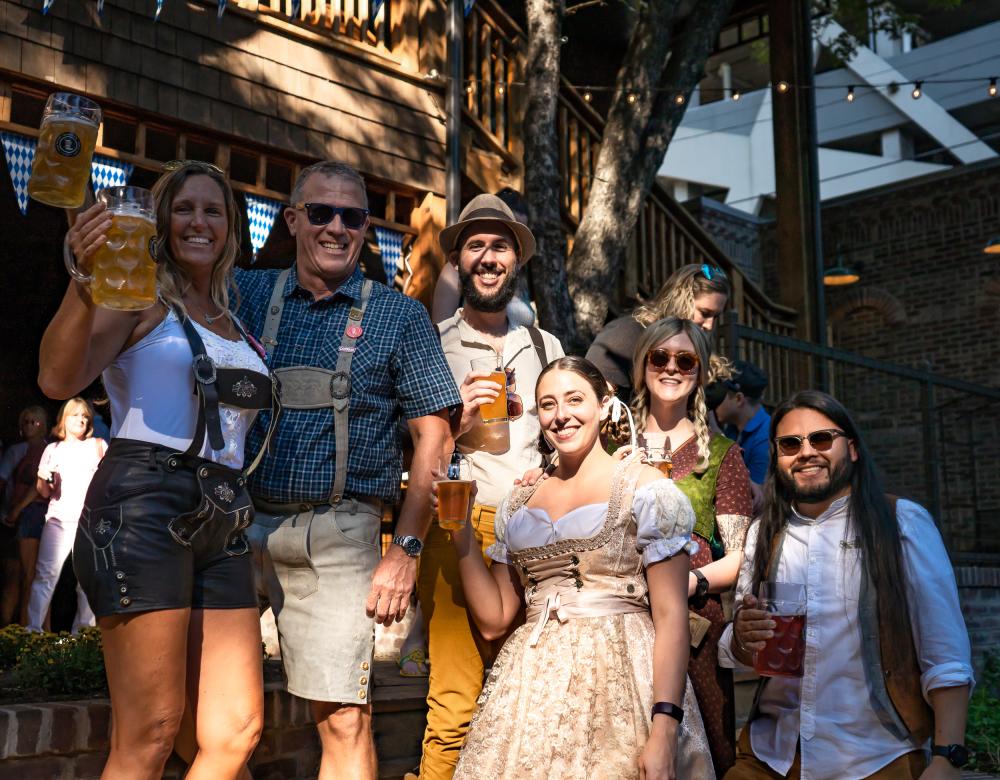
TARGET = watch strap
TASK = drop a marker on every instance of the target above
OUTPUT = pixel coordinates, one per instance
(957, 755)
(703, 585)
(667, 708)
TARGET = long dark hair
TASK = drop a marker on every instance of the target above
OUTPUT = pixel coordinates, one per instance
(870, 513)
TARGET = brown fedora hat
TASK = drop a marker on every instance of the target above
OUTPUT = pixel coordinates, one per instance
(488, 209)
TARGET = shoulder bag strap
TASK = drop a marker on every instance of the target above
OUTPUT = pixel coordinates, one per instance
(269, 335)
(539, 344)
(340, 388)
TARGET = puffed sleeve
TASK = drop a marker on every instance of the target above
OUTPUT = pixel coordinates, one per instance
(497, 552)
(665, 520)
(733, 500)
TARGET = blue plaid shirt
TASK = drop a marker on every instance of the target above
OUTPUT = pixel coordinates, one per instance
(397, 371)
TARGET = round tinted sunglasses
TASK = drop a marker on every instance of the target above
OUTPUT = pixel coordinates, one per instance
(821, 441)
(323, 214)
(659, 359)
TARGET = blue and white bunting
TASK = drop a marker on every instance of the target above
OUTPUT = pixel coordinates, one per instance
(261, 213)
(468, 6)
(222, 9)
(376, 6)
(159, 10)
(46, 5)
(107, 172)
(296, 9)
(100, 6)
(20, 151)
(390, 244)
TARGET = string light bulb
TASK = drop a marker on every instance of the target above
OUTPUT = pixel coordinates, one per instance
(917, 90)
(850, 94)
(783, 87)
(679, 100)
(501, 89)
(469, 89)
(587, 96)
(992, 88)
(737, 94)
(632, 97)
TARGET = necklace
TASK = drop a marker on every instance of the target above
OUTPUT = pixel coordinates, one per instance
(211, 318)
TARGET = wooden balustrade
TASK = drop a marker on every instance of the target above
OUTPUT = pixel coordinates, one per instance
(352, 19)
(492, 47)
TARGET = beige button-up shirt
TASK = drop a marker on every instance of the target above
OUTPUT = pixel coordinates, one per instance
(500, 452)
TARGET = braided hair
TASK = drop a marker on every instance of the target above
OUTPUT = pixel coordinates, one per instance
(697, 410)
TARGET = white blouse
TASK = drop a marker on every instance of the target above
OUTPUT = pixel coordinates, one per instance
(662, 513)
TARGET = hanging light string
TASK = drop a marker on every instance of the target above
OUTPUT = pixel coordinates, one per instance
(851, 91)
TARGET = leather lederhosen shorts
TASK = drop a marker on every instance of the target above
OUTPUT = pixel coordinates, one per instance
(162, 530)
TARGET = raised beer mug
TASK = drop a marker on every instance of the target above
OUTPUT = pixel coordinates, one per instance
(123, 275)
(66, 144)
(454, 488)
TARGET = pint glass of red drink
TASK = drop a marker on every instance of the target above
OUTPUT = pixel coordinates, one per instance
(783, 653)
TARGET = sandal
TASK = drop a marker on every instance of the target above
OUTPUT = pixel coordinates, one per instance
(418, 660)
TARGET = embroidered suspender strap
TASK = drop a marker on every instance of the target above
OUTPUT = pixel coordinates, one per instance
(539, 344)
(340, 389)
(275, 410)
(269, 335)
(208, 393)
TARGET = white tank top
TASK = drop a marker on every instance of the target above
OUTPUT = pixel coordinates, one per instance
(151, 389)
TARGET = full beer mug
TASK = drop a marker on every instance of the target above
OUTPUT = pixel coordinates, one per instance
(123, 276)
(454, 491)
(66, 144)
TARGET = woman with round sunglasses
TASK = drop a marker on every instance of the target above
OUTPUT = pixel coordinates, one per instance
(698, 292)
(161, 552)
(594, 683)
(669, 376)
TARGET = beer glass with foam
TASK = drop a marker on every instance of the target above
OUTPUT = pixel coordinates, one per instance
(123, 276)
(454, 489)
(783, 653)
(66, 144)
(494, 411)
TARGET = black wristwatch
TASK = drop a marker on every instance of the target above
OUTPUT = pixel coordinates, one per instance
(411, 545)
(957, 755)
(701, 589)
(667, 708)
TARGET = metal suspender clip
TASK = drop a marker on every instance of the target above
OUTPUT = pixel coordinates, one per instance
(204, 369)
(340, 384)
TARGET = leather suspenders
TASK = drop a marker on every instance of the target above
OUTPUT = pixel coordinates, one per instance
(310, 387)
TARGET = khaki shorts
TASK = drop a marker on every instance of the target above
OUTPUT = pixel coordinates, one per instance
(315, 568)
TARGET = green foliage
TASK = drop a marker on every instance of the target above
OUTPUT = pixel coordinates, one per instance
(62, 664)
(13, 638)
(983, 731)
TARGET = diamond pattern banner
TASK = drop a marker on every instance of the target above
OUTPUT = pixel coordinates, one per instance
(159, 10)
(222, 9)
(261, 213)
(46, 5)
(20, 151)
(106, 172)
(100, 6)
(390, 244)
(468, 5)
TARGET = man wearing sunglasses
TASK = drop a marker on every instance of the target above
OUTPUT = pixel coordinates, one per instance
(744, 419)
(354, 358)
(886, 664)
(488, 248)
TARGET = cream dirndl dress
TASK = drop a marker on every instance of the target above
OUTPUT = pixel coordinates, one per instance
(571, 691)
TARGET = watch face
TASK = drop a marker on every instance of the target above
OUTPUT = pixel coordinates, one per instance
(411, 545)
(958, 755)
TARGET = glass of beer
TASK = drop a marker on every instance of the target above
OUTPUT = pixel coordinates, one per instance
(495, 411)
(783, 653)
(454, 489)
(658, 452)
(124, 272)
(66, 144)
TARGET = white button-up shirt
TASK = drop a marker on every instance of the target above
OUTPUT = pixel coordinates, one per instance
(827, 712)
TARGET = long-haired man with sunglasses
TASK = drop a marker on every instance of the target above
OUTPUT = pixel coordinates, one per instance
(488, 247)
(886, 663)
(354, 359)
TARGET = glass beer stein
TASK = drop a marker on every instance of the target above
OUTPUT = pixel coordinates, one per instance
(454, 491)
(66, 144)
(123, 275)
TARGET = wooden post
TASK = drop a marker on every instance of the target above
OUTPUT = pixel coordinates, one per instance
(426, 259)
(800, 252)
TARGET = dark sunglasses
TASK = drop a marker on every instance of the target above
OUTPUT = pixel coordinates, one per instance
(323, 214)
(821, 441)
(686, 362)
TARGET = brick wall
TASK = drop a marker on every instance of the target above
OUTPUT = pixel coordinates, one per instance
(979, 592)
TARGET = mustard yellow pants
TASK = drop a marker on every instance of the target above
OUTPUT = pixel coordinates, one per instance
(458, 654)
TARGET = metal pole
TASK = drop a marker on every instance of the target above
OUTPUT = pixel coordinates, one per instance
(453, 108)
(931, 455)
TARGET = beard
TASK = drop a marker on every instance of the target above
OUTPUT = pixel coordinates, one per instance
(493, 303)
(839, 476)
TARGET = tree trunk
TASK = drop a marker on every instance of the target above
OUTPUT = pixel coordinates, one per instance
(542, 183)
(635, 141)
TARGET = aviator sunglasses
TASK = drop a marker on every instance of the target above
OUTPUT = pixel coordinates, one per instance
(323, 214)
(821, 441)
(686, 362)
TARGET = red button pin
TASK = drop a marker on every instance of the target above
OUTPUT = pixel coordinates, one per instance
(354, 331)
